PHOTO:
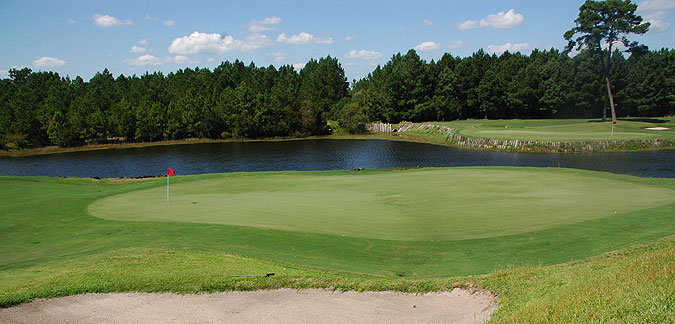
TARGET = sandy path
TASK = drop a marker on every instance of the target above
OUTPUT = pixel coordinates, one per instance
(272, 306)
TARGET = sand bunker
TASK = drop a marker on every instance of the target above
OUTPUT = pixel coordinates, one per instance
(658, 128)
(271, 306)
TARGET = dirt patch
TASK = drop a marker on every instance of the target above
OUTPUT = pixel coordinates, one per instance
(270, 306)
(125, 180)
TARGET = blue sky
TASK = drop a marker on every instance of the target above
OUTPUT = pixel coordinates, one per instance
(131, 37)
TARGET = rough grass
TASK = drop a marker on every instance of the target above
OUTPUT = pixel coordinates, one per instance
(565, 130)
(632, 285)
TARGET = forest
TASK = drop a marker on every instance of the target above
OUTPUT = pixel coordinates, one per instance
(236, 100)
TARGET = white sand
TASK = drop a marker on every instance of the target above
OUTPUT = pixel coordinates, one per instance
(658, 128)
(270, 306)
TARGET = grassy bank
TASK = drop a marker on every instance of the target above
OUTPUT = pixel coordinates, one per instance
(631, 285)
(549, 135)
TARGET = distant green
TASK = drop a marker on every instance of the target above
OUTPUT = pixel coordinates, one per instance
(564, 130)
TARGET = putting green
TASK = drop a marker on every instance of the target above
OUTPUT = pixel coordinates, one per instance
(565, 129)
(414, 205)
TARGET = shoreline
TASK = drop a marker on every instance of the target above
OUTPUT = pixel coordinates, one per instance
(46, 150)
(424, 133)
(443, 135)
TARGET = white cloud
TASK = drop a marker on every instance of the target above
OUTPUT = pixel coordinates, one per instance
(4, 74)
(278, 57)
(363, 54)
(657, 21)
(427, 22)
(657, 26)
(109, 21)
(200, 43)
(48, 62)
(143, 60)
(70, 21)
(349, 64)
(299, 66)
(168, 22)
(501, 19)
(256, 41)
(137, 49)
(265, 25)
(509, 19)
(303, 38)
(180, 59)
(350, 37)
(498, 49)
(274, 20)
(427, 46)
(148, 60)
(655, 12)
(325, 41)
(210, 60)
(656, 5)
(469, 24)
(143, 41)
(455, 44)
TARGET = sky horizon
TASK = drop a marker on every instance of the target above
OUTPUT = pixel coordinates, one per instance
(80, 38)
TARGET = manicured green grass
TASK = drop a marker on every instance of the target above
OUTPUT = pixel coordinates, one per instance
(50, 244)
(427, 205)
(46, 219)
(563, 130)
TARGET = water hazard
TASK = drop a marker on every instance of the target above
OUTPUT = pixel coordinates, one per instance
(310, 155)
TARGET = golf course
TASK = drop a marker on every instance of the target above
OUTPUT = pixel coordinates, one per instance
(413, 230)
(547, 135)
(566, 129)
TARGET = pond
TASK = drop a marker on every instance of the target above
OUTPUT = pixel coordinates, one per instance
(316, 154)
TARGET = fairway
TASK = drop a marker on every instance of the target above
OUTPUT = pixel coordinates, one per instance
(564, 130)
(417, 205)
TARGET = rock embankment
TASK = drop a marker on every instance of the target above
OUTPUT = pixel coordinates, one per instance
(447, 135)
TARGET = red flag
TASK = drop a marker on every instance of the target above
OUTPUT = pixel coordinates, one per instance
(172, 172)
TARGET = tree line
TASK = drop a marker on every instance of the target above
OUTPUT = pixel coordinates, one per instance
(545, 84)
(236, 100)
(232, 101)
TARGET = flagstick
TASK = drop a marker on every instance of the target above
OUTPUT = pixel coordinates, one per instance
(612, 128)
(167, 190)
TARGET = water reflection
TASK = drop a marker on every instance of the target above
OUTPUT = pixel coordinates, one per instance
(305, 155)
